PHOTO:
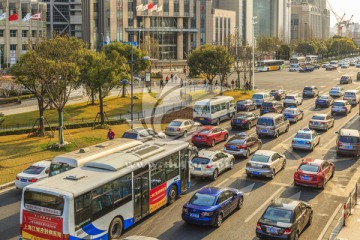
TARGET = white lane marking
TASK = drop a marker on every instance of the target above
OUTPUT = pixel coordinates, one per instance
(225, 180)
(329, 222)
(264, 204)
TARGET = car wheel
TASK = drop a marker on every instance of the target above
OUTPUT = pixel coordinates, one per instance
(213, 143)
(310, 219)
(248, 126)
(115, 228)
(322, 186)
(284, 164)
(215, 175)
(231, 164)
(185, 134)
(276, 134)
(217, 122)
(259, 146)
(240, 203)
(333, 172)
(296, 236)
(247, 155)
(316, 106)
(226, 137)
(273, 174)
(287, 128)
(219, 220)
(172, 194)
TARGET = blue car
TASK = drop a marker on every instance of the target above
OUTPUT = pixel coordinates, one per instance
(211, 205)
(293, 114)
(324, 101)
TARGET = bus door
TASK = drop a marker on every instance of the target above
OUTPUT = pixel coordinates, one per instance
(141, 193)
(184, 169)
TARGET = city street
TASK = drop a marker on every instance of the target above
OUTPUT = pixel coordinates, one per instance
(167, 224)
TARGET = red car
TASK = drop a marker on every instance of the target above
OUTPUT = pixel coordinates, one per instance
(209, 135)
(314, 173)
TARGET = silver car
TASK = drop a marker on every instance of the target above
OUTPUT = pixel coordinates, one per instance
(211, 163)
(265, 163)
(321, 121)
(341, 106)
(336, 92)
(181, 127)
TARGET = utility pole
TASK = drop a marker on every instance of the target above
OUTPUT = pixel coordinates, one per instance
(237, 58)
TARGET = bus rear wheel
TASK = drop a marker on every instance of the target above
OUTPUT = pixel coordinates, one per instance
(115, 228)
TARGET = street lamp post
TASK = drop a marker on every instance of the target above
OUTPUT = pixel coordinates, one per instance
(253, 52)
(237, 58)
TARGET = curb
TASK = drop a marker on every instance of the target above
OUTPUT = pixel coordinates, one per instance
(7, 185)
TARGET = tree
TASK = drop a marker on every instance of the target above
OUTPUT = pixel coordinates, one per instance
(64, 56)
(306, 48)
(150, 46)
(32, 71)
(102, 73)
(210, 60)
(267, 45)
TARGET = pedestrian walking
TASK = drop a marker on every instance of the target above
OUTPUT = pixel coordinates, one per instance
(216, 84)
(161, 83)
(172, 77)
(110, 134)
(167, 79)
(181, 82)
(176, 78)
(204, 84)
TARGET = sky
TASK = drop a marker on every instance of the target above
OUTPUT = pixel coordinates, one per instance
(350, 7)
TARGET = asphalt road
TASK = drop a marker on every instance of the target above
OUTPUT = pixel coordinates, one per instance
(167, 224)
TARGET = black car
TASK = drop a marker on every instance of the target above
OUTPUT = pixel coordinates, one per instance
(331, 67)
(316, 66)
(324, 101)
(346, 79)
(271, 107)
(306, 69)
(245, 105)
(278, 94)
(284, 218)
(310, 91)
(244, 120)
(242, 145)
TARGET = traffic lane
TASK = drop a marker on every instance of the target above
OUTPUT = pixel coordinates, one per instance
(10, 213)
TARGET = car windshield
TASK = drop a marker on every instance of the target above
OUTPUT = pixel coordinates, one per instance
(335, 89)
(308, 88)
(289, 97)
(349, 94)
(278, 215)
(344, 77)
(294, 65)
(236, 141)
(349, 139)
(257, 96)
(241, 115)
(202, 108)
(34, 170)
(265, 122)
(303, 136)
(203, 199)
(175, 124)
(242, 102)
(200, 160)
(289, 111)
(267, 104)
(323, 97)
(130, 135)
(318, 117)
(204, 131)
(339, 104)
(309, 168)
(260, 158)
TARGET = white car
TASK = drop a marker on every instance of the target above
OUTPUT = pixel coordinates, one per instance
(293, 99)
(336, 92)
(294, 68)
(143, 134)
(210, 163)
(34, 173)
(265, 163)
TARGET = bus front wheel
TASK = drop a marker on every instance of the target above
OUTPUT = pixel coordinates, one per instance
(115, 228)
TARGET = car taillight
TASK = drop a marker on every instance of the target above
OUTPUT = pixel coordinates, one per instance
(185, 210)
(311, 122)
(244, 121)
(294, 141)
(307, 142)
(258, 226)
(206, 214)
(241, 147)
(287, 232)
(272, 108)
(209, 166)
(296, 175)
(232, 120)
(339, 144)
(33, 180)
(322, 122)
(17, 178)
(178, 129)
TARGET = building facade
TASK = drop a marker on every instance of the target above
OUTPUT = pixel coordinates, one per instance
(24, 23)
(309, 20)
(64, 17)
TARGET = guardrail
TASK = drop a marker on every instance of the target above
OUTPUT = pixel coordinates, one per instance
(350, 203)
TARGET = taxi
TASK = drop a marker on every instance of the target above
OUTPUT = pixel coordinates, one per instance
(293, 114)
(305, 139)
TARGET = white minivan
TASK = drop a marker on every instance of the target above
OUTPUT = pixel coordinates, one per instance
(259, 98)
(353, 96)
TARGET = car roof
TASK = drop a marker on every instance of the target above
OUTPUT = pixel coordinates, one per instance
(292, 94)
(309, 87)
(305, 130)
(270, 115)
(343, 101)
(310, 161)
(207, 127)
(284, 203)
(43, 163)
(264, 152)
(206, 153)
(320, 114)
(180, 120)
(349, 132)
(210, 190)
(324, 95)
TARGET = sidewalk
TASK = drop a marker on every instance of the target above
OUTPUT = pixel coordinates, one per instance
(351, 231)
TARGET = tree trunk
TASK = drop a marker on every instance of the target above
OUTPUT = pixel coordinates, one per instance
(92, 97)
(61, 128)
(41, 129)
(102, 118)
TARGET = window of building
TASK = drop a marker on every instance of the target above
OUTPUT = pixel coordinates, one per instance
(13, 47)
(187, 7)
(166, 5)
(1, 33)
(24, 47)
(33, 33)
(176, 6)
(13, 33)
(24, 33)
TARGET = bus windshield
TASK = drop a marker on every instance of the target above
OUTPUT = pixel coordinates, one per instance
(43, 202)
(202, 108)
(57, 168)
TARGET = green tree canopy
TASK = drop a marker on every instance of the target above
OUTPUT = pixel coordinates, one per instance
(306, 48)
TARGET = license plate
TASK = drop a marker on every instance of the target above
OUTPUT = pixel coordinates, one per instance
(348, 147)
(255, 173)
(316, 123)
(321, 101)
(201, 119)
(171, 129)
(337, 110)
(272, 230)
(233, 147)
(264, 131)
(197, 169)
(266, 111)
(194, 215)
(24, 180)
(198, 137)
(305, 178)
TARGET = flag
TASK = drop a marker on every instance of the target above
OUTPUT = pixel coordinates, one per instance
(13, 17)
(2, 16)
(139, 7)
(154, 8)
(159, 9)
(36, 16)
(27, 17)
(145, 7)
(150, 6)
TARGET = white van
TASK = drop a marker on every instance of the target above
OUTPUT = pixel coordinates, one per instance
(259, 98)
(353, 96)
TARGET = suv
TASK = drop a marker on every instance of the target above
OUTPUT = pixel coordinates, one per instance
(272, 124)
(310, 91)
(348, 142)
(293, 100)
(271, 106)
(345, 79)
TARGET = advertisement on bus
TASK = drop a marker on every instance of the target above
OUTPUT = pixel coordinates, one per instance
(157, 197)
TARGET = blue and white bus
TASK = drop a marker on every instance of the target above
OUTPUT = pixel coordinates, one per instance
(106, 196)
(214, 110)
